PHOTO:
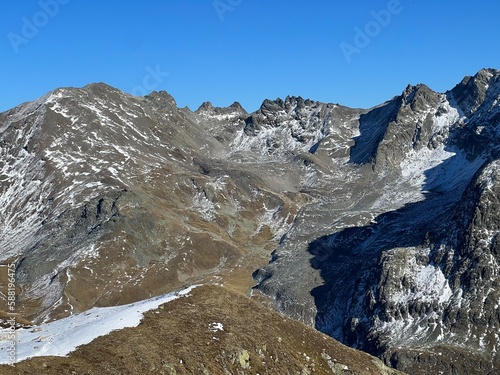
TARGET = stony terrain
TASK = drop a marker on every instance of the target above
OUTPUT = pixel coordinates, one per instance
(118, 194)
(381, 225)
(417, 281)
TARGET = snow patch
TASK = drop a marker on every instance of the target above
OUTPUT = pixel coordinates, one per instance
(428, 285)
(490, 174)
(214, 327)
(416, 163)
(449, 117)
(203, 206)
(61, 337)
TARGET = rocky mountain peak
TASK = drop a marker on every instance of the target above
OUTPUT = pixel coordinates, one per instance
(237, 106)
(472, 91)
(418, 97)
(290, 103)
(162, 99)
(293, 125)
(477, 98)
(205, 106)
(269, 106)
(99, 87)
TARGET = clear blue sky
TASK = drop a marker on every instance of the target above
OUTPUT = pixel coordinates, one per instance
(245, 50)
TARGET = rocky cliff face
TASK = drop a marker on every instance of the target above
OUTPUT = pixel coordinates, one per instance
(382, 222)
(417, 282)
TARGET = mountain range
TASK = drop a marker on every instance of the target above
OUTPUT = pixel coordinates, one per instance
(378, 227)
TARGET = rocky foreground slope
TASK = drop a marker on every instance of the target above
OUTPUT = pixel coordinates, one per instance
(211, 331)
(382, 223)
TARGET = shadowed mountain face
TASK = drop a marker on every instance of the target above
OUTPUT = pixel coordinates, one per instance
(383, 223)
(409, 268)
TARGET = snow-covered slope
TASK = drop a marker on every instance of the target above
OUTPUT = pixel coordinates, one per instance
(61, 337)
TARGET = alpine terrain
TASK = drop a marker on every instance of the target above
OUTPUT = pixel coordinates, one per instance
(377, 227)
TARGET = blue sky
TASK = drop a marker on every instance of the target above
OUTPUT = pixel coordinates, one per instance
(356, 53)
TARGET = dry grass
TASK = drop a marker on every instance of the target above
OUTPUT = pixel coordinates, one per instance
(176, 339)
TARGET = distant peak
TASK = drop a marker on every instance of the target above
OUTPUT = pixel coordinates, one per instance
(99, 87)
(97, 84)
(488, 72)
(472, 91)
(419, 93)
(238, 106)
(418, 87)
(207, 106)
(291, 99)
(484, 75)
(161, 97)
(290, 102)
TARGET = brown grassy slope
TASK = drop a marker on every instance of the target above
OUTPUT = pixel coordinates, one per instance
(177, 339)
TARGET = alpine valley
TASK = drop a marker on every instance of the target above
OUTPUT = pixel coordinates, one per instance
(289, 230)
